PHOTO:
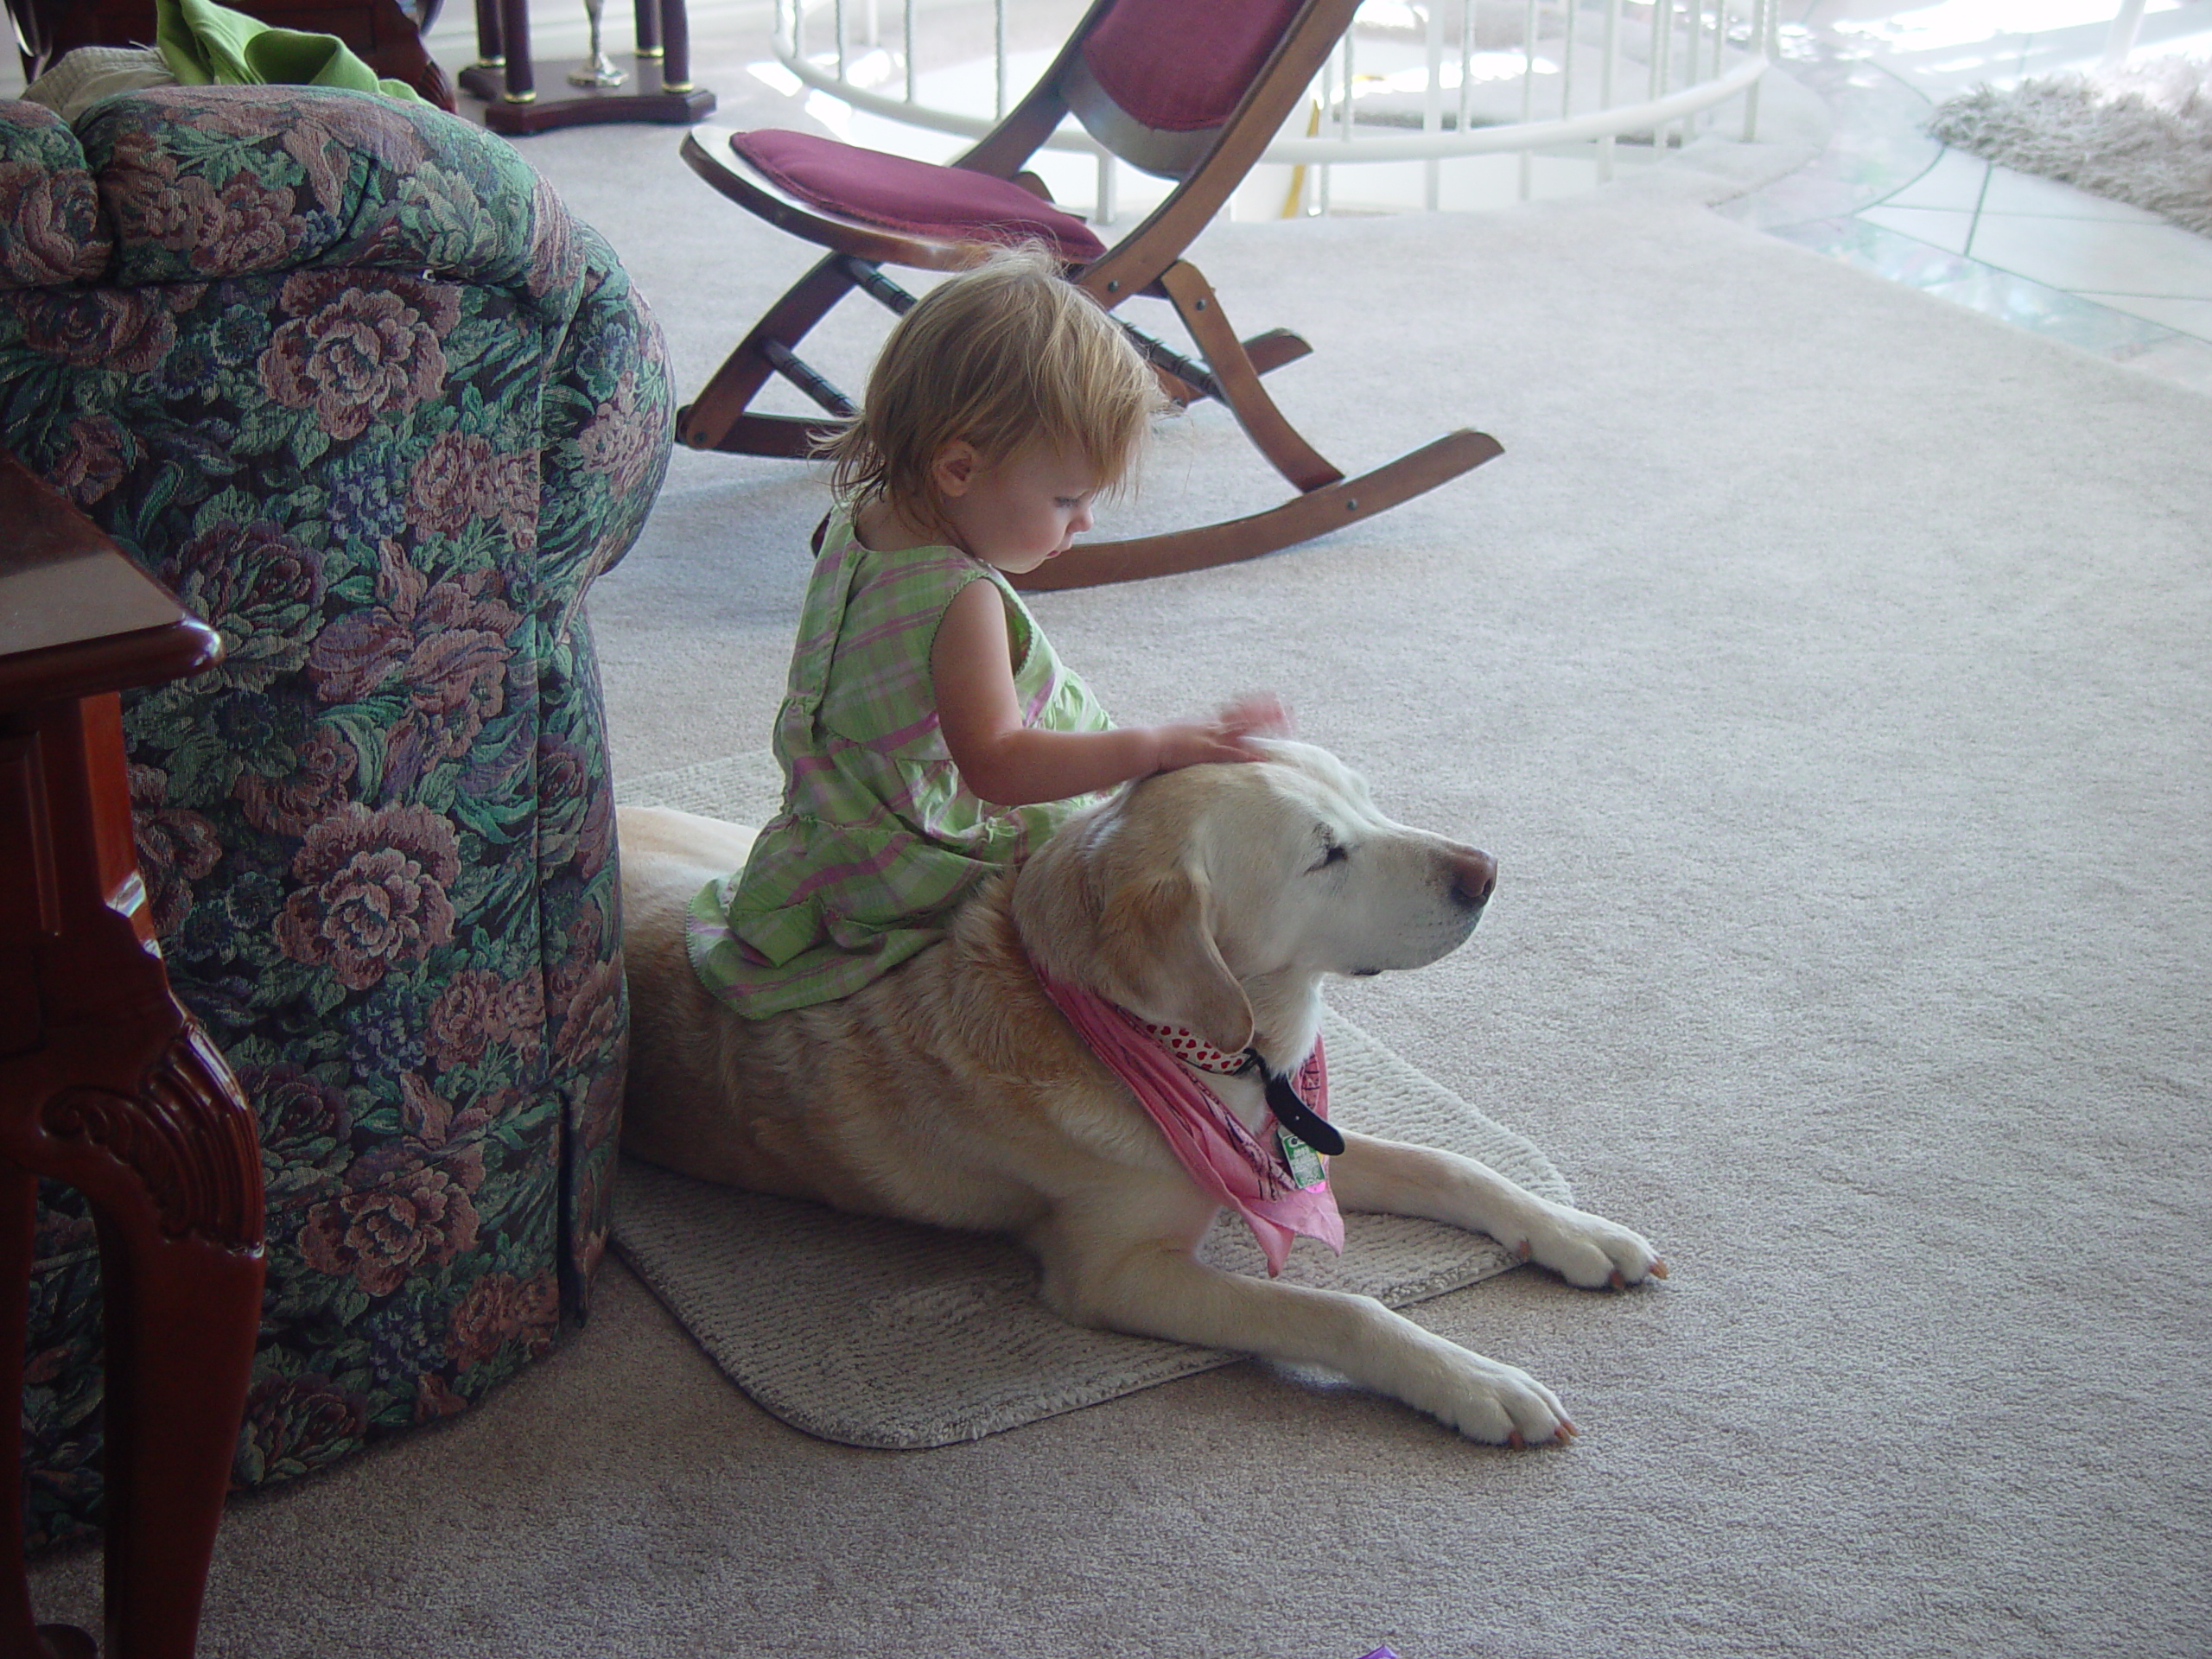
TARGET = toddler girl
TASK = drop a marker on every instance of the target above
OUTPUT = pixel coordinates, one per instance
(928, 735)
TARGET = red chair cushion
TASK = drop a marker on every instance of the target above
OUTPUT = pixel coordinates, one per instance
(1177, 67)
(901, 194)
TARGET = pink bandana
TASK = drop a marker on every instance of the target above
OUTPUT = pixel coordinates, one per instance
(1226, 1159)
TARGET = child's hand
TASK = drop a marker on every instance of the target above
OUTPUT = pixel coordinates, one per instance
(1192, 743)
(1258, 713)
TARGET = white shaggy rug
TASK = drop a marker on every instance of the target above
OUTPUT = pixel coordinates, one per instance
(880, 1333)
(2141, 135)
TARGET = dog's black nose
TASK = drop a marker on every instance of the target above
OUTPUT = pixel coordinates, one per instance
(1473, 876)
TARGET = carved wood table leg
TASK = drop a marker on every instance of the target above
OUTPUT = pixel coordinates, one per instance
(150, 1126)
(107, 1084)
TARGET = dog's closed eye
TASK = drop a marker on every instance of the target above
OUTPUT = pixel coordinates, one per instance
(1332, 852)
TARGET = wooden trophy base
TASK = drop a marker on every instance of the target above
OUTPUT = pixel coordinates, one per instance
(641, 97)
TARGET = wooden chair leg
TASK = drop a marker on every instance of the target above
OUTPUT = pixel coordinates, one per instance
(1093, 564)
(1200, 310)
(1174, 388)
(1179, 379)
(717, 418)
(1270, 351)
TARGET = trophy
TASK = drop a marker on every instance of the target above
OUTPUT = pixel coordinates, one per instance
(600, 71)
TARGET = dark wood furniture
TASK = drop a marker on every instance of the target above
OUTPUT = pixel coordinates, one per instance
(384, 36)
(657, 87)
(109, 1085)
(1194, 93)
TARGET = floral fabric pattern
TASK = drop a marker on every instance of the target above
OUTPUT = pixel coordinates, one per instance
(50, 206)
(347, 376)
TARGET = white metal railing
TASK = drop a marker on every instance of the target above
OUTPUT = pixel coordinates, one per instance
(1436, 88)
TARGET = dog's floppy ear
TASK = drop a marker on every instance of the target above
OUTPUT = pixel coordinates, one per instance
(1156, 952)
(1117, 906)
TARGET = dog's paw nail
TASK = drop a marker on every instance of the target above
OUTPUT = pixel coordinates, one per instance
(1658, 1269)
(1515, 1440)
(1566, 1432)
(1618, 1282)
(1523, 1250)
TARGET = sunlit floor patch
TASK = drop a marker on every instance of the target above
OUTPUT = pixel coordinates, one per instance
(1885, 197)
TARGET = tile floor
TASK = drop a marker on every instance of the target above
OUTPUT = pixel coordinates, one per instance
(2098, 274)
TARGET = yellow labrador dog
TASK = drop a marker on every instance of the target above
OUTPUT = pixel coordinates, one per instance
(952, 1091)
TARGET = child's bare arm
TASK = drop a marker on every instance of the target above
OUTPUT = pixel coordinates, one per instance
(1003, 761)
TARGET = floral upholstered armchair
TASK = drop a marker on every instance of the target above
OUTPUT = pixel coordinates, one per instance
(347, 377)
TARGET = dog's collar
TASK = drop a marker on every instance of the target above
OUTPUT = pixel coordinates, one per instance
(1192, 1049)
(1284, 1099)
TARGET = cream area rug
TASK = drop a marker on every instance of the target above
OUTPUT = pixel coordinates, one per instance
(2141, 135)
(880, 1333)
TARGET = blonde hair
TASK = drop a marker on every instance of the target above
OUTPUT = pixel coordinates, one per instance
(1002, 354)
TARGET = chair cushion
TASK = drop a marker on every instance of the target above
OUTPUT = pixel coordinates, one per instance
(1177, 67)
(901, 194)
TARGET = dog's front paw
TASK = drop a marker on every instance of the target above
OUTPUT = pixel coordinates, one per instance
(1588, 1250)
(1499, 1404)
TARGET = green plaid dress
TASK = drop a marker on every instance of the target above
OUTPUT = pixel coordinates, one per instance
(878, 840)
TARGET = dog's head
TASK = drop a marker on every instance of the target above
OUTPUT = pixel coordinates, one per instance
(1191, 894)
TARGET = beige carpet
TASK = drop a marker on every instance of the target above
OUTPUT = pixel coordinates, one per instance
(1826, 666)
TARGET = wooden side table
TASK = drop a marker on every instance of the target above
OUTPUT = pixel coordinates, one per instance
(658, 84)
(108, 1084)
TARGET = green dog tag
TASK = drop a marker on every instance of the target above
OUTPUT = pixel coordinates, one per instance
(1306, 1169)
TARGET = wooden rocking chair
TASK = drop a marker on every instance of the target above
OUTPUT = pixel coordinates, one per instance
(1189, 92)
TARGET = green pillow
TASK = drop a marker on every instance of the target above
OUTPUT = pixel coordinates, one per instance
(203, 44)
